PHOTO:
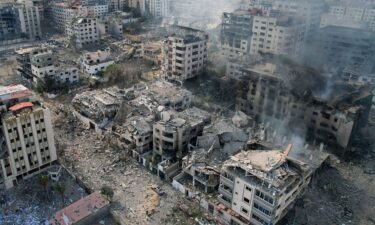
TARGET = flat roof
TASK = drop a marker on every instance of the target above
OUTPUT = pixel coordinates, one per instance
(13, 91)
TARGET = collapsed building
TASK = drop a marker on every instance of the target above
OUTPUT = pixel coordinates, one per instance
(297, 97)
(172, 135)
(98, 108)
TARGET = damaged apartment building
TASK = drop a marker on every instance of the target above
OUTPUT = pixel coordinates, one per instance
(172, 136)
(261, 186)
(185, 53)
(26, 142)
(298, 97)
(40, 64)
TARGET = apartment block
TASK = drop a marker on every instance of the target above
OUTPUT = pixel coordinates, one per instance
(94, 62)
(27, 140)
(158, 8)
(236, 32)
(270, 94)
(99, 9)
(185, 53)
(63, 13)
(84, 31)
(172, 136)
(43, 65)
(278, 35)
(110, 25)
(19, 21)
(261, 186)
(23, 57)
(351, 13)
(341, 46)
(29, 18)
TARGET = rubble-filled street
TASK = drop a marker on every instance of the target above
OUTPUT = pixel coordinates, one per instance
(91, 158)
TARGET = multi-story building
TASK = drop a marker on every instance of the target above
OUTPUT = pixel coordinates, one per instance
(110, 25)
(185, 53)
(158, 8)
(236, 32)
(29, 18)
(27, 141)
(83, 31)
(24, 63)
(278, 35)
(310, 11)
(19, 21)
(341, 46)
(172, 136)
(63, 13)
(43, 65)
(97, 10)
(354, 13)
(260, 186)
(275, 95)
(139, 5)
(94, 62)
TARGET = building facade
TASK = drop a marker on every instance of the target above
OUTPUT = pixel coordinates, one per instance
(83, 31)
(278, 35)
(27, 141)
(94, 62)
(185, 53)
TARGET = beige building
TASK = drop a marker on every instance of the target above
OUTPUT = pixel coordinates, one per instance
(185, 53)
(282, 35)
(260, 186)
(83, 31)
(27, 143)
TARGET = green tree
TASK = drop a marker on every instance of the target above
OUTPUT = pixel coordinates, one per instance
(107, 191)
(60, 188)
(43, 181)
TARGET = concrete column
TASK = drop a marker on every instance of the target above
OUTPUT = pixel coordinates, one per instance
(36, 141)
(22, 140)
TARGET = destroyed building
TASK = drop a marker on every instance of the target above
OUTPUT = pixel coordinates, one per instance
(135, 136)
(185, 53)
(202, 165)
(236, 32)
(261, 186)
(93, 63)
(27, 142)
(274, 93)
(171, 138)
(98, 108)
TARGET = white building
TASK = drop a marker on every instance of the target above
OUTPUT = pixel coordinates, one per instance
(98, 10)
(185, 53)
(45, 65)
(84, 31)
(310, 11)
(358, 14)
(158, 8)
(94, 62)
(27, 142)
(278, 35)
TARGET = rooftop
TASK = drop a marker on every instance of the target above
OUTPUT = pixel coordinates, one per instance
(79, 210)
(13, 92)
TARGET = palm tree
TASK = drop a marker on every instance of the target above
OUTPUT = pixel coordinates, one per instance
(60, 188)
(108, 192)
(43, 181)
